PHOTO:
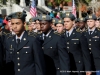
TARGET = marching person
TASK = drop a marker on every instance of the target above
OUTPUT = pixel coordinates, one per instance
(77, 46)
(82, 24)
(24, 50)
(93, 39)
(54, 47)
(60, 26)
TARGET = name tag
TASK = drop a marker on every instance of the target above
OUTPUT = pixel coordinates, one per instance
(11, 49)
(95, 37)
(75, 39)
(26, 47)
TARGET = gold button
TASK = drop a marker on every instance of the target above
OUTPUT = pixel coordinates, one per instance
(79, 61)
(10, 52)
(18, 69)
(90, 52)
(67, 42)
(58, 68)
(17, 52)
(90, 44)
(18, 58)
(95, 40)
(89, 48)
(68, 47)
(50, 47)
(26, 52)
(42, 47)
(74, 43)
(18, 64)
(89, 39)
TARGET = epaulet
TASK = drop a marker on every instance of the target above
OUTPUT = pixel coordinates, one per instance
(10, 36)
(55, 32)
(63, 31)
(78, 30)
(30, 34)
(98, 28)
(39, 32)
(8, 33)
(86, 30)
(4, 33)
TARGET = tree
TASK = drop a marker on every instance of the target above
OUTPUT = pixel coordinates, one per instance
(79, 4)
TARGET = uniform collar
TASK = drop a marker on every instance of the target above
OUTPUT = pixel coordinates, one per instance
(91, 30)
(20, 36)
(70, 31)
(47, 33)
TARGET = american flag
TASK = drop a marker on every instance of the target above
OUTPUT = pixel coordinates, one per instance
(33, 10)
(74, 9)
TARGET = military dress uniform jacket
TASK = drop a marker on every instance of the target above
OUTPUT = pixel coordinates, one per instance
(94, 46)
(28, 57)
(56, 54)
(1, 57)
(78, 47)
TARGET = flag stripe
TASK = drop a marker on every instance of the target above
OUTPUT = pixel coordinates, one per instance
(74, 9)
(33, 10)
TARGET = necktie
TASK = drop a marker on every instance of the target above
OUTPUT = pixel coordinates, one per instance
(91, 32)
(44, 37)
(67, 34)
(18, 42)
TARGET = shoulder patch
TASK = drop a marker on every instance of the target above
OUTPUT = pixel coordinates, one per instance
(98, 29)
(55, 32)
(39, 33)
(9, 36)
(78, 30)
(30, 34)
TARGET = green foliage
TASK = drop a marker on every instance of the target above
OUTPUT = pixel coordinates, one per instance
(49, 4)
(1, 1)
(67, 0)
(82, 1)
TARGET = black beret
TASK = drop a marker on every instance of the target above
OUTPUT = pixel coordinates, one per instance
(68, 15)
(93, 17)
(44, 17)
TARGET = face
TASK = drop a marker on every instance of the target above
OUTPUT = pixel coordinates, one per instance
(91, 23)
(33, 25)
(30, 28)
(18, 26)
(77, 24)
(68, 24)
(81, 25)
(59, 27)
(97, 23)
(9, 24)
(53, 26)
(45, 26)
(37, 25)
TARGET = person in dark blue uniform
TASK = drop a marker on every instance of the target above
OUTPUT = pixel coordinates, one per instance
(77, 46)
(1, 57)
(59, 23)
(54, 47)
(82, 24)
(93, 39)
(23, 49)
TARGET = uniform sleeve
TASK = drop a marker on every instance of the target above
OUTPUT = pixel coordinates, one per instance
(85, 52)
(39, 58)
(63, 56)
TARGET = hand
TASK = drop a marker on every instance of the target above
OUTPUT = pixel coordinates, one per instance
(88, 73)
